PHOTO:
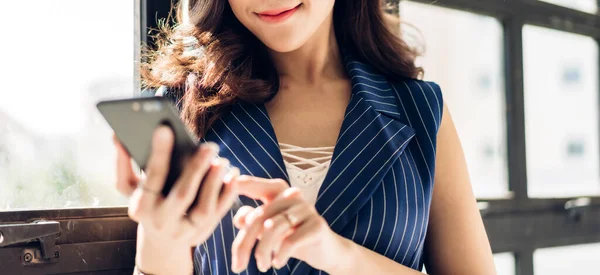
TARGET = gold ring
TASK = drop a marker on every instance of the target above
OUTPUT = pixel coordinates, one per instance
(291, 219)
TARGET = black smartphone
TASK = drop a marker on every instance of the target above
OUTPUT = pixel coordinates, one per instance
(134, 121)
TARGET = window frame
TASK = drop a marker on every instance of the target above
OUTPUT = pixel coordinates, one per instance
(520, 224)
(105, 237)
(91, 240)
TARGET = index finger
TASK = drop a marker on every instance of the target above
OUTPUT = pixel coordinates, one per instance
(259, 188)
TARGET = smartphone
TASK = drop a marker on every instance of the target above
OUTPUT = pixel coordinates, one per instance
(134, 121)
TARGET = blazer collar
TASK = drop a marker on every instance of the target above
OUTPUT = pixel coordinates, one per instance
(372, 137)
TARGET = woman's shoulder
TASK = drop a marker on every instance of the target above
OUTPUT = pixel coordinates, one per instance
(412, 86)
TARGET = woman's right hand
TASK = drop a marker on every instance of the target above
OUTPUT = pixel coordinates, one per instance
(166, 230)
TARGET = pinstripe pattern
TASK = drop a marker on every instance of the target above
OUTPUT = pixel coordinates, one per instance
(378, 189)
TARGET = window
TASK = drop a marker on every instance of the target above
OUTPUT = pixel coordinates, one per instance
(529, 70)
(55, 149)
(59, 57)
(590, 6)
(561, 112)
(463, 54)
(576, 259)
(505, 263)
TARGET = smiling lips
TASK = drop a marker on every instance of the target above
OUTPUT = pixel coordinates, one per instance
(279, 15)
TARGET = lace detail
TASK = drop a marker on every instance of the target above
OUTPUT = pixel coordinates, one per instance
(308, 180)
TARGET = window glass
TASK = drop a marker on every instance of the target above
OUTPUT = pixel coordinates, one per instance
(590, 6)
(505, 263)
(463, 54)
(58, 60)
(561, 113)
(576, 259)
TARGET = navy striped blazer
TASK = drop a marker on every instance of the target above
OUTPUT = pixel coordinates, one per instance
(379, 187)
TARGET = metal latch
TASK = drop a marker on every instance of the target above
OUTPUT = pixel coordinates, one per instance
(42, 232)
(576, 207)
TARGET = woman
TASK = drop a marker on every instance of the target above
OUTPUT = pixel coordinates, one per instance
(321, 96)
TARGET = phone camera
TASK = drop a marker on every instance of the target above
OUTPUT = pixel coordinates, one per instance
(153, 106)
(136, 106)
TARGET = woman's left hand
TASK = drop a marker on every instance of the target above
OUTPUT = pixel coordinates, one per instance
(285, 226)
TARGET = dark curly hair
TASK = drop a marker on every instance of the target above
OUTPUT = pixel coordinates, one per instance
(211, 61)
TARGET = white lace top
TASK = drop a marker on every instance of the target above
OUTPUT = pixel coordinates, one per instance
(307, 173)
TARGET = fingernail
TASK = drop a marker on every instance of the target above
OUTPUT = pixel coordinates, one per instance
(277, 264)
(234, 266)
(163, 133)
(231, 172)
(214, 147)
(260, 266)
(228, 177)
(253, 215)
(269, 223)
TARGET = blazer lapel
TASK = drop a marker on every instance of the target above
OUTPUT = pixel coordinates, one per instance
(247, 139)
(371, 139)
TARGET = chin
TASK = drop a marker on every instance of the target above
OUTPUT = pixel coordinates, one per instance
(284, 44)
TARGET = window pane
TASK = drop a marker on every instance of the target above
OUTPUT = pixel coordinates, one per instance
(590, 6)
(464, 55)
(55, 149)
(576, 259)
(505, 263)
(561, 113)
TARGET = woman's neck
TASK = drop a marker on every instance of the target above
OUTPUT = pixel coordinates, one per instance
(316, 60)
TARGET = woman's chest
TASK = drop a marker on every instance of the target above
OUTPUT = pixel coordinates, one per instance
(308, 119)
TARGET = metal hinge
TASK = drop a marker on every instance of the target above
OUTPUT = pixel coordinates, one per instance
(41, 232)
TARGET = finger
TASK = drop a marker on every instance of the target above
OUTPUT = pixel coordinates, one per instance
(209, 193)
(230, 192)
(302, 236)
(246, 238)
(274, 230)
(279, 227)
(186, 188)
(127, 180)
(299, 213)
(135, 211)
(121, 149)
(285, 200)
(239, 220)
(158, 165)
(259, 188)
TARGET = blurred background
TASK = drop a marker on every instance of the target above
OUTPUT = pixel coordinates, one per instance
(520, 78)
